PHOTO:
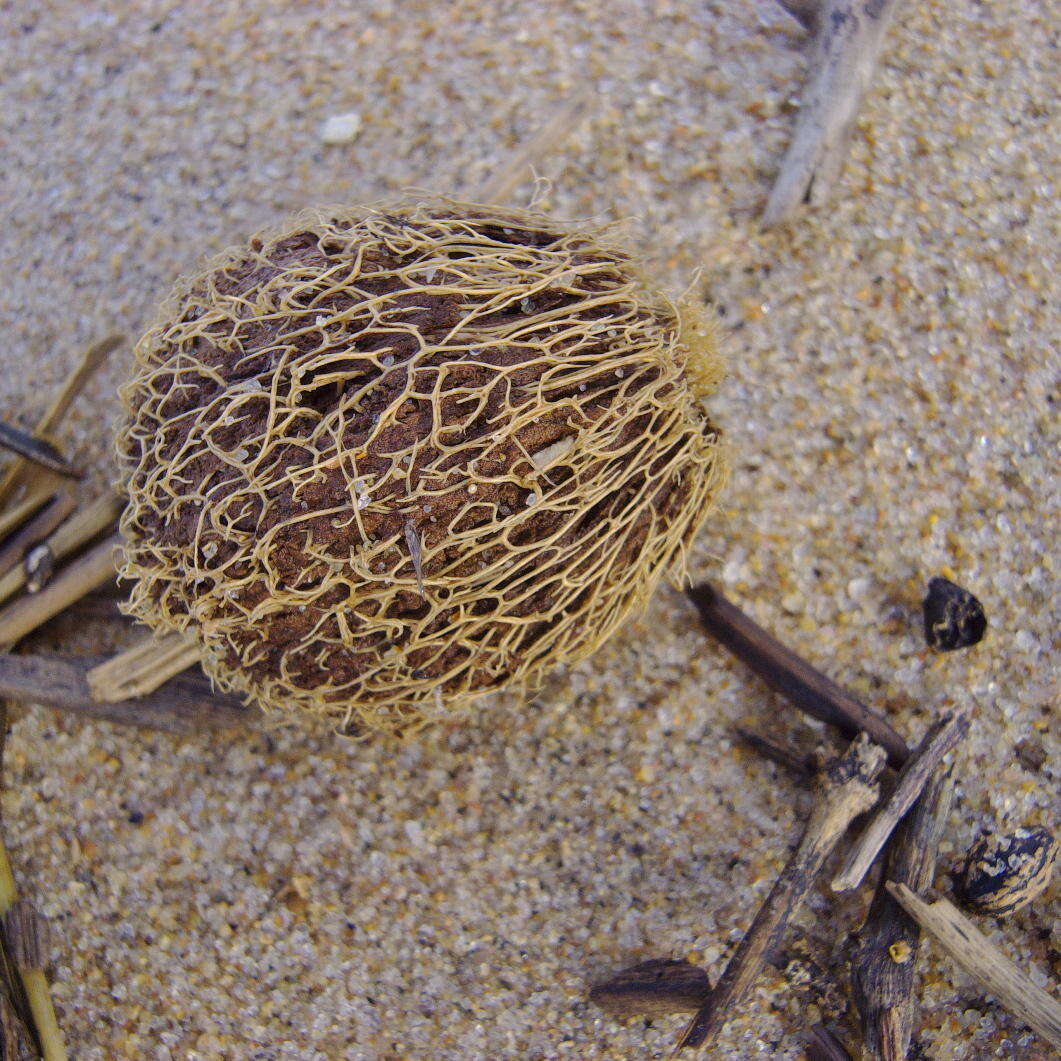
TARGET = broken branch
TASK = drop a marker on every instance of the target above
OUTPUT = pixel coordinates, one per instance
(943, 736)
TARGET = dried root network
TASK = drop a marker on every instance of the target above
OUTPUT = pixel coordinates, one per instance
(385, 459)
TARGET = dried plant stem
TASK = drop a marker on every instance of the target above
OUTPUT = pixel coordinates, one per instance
(499, 188)
(84, 525)
(25, 931)
(849, 35)
(143, 668)
(13, 518)
(943, 736)
(885, 961)
(983, 961)
(803, 765)
(848, 789)
(74, 581)
(93, 358)
(14, 549)
(800, 683)
(184, 704)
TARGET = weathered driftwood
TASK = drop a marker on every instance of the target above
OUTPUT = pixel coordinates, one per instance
(184, 704)
(848, 37)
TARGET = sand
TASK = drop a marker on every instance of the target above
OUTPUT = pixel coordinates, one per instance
(891, 404)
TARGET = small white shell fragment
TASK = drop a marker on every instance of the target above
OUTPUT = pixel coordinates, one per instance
(341, 128)
(560, 448)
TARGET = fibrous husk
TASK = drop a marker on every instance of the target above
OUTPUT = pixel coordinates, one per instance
(387, 458)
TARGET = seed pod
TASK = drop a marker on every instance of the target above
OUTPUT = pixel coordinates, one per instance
(1004, 872)
(386, 459)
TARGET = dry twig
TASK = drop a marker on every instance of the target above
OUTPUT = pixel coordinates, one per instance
(885, 962)
(36, 451)
(25, 931)
(75, 580)
(803, 686)
(85, 524)
(984, 962)
(74, 385)
(848, 37)
(942, 737)
(848, 789)
(15, 548)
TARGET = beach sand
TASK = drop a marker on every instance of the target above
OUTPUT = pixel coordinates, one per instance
(891, 405)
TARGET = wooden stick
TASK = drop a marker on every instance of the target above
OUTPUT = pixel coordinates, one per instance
(942, 737)
(885, 961)
(984, 962)
(25, 930)
(84, 525)
(144, 667)
(185, 704)
(36, 451)
(499, 188)
(803, 686)
(655, 988)
(14, 549)
(848, 789)
(74, 581)
(822, 1045)
(93, 358)
(13, 518)
(803, 765)
(848, 41)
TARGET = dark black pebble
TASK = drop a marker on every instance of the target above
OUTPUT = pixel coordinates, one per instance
(954, 618)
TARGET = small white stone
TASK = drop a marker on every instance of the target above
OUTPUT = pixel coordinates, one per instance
(341, 128)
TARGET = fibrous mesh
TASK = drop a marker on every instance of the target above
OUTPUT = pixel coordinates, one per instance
(385, 459)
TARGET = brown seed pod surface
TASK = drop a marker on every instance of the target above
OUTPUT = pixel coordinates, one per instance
(1004, 872)
(385, 459)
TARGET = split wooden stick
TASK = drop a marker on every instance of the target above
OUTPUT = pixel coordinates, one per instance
(84, 525)
(184, 704)
(984, 962)
(848, 789)
(144, 667)
(885, 961)
(848, 38)
(90, 363)
(793, 677)
(942, 737)
(73, 582)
